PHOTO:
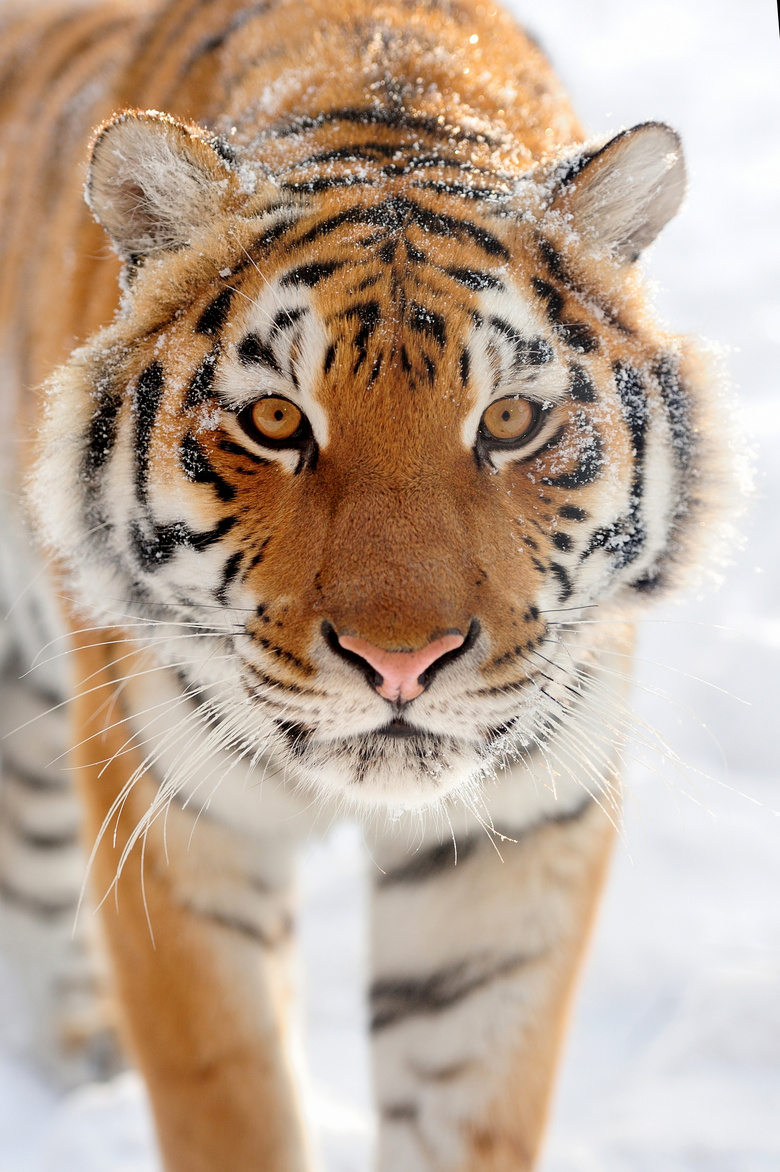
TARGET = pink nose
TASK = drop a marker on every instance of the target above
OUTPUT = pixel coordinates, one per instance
(400, 670)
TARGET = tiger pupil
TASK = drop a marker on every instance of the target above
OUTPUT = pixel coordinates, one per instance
(278, 415)
(505, 415)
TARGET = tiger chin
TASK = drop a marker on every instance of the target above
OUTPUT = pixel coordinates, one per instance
(369, 452)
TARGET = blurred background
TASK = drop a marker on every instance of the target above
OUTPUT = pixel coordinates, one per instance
(673, 1062)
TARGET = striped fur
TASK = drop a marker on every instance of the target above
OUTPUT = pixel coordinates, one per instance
(386, 216)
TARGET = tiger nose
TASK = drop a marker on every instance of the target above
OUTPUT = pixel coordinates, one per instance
(398, 675)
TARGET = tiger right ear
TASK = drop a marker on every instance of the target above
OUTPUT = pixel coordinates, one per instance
(153, 182)
(620, 196)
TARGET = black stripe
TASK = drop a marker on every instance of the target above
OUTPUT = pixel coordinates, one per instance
(591, 457)
(328, 182)
(367, 152)
(214, 42)
(215, 314)
(368, 314)
(651, 582)
(550, 295)
(252, 351)
(296, 735)
(677, 401)
(311, 274)
(156, 548)
(39, 840)
(465, 365)
(634, 400)
(442, 225)
(578, 335)
(625, 538)
(430, 863)
(420, 162)
(528, 351)
(474, 279)
(384, 214)
(198, 468)
(387, 252)
(400, 1113)
(282, 653)
(426, 321)
(146, 404)
(42, 782)
(463, 190)
(375, 369)
(45, 909)
(581, 389)
(262, 243)
(201, 385)
(414, 255)
(371, 151)
(102, 430)
(235, 449)
(394, 1000)
(376, 116)
(229, 572)
(243, 927)
(566, 588)
(554, 261)
(551, 443)
(561, 541)
(256, 560)
(394, 213)
(285, 319)
(329, 357)
(572, 513)
(441, 859)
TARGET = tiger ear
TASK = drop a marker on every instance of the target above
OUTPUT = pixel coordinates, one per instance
(621, 196)
(152, 181)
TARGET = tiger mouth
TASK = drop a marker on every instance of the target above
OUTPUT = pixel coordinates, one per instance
(398, 727)
(299, 739)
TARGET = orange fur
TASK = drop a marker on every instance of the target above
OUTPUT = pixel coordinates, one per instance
(404, 535)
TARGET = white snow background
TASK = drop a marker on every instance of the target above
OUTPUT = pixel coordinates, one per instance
(673, 1063)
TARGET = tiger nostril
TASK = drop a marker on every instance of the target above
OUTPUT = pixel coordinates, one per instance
(400, 676)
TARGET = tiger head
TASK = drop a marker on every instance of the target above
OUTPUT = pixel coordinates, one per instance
(354, 461)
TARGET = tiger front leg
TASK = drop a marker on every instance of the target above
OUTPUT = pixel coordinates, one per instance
(473, 969)
(198, 923)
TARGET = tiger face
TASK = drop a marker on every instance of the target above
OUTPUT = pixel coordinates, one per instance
(354, 467)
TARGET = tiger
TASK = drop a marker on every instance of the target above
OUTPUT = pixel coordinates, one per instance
(341, 451)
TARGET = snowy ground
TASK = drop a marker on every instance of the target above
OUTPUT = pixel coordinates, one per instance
(673, 1064)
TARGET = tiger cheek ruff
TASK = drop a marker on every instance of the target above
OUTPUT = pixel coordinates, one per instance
(367, 423)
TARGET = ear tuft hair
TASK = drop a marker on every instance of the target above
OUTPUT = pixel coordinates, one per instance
(621, 196)
(153, 182)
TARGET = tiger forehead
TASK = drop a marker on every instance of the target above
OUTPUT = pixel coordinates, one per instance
(359, 324)
(434, 290)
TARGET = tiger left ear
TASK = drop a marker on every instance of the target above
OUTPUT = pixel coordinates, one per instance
(153, 181)
(620, 197)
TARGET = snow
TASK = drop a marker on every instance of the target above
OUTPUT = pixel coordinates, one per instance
(673, 1064)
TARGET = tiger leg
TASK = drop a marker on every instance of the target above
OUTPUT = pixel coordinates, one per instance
(198, 925)
(473, 968)
(64, 1018)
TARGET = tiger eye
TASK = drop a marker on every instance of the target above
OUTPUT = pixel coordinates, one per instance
(509, 419)
(276, 419)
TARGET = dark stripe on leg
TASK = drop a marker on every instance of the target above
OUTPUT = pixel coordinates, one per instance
(394, 1000)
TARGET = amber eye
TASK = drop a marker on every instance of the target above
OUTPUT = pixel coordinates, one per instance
(276, 419)
(510, 419)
